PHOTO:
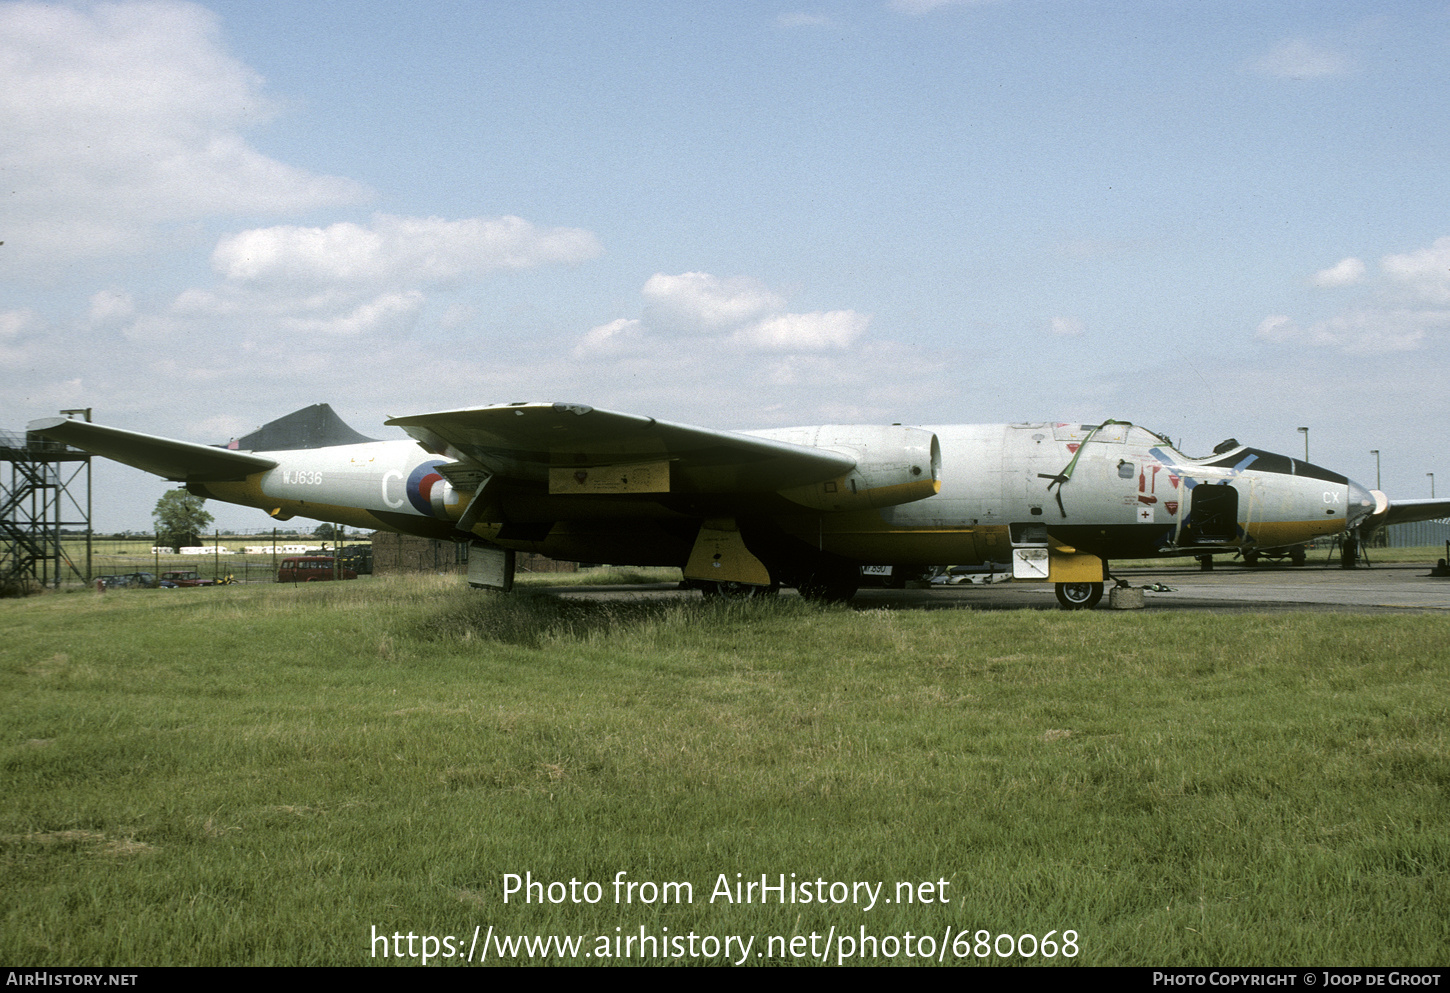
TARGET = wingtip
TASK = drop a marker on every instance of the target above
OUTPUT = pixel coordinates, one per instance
(46, 423)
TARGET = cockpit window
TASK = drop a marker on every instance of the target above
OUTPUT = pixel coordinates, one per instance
(1253, 458)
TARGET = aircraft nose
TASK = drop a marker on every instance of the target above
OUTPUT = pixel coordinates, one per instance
(1361, 505)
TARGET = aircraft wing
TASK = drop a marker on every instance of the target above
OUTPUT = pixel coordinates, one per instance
(529, 441)
(177, 460)
(1409, 511)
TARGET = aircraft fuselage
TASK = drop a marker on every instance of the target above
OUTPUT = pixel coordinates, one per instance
(1111, 491)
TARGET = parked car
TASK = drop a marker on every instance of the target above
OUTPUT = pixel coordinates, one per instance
(184, 578)
(358, 558)
(893, 577)
(311, 569)
(128, 580)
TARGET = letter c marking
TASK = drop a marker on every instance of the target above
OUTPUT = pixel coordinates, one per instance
(391, 474)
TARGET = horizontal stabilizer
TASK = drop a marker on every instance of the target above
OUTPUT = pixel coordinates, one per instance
(527, 440)
(183, 461)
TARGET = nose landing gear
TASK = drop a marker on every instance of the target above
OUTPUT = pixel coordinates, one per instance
(1079, 596)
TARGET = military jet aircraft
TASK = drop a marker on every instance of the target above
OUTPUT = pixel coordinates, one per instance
(746, 511)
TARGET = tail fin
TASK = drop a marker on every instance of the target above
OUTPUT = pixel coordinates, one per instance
(317, 426)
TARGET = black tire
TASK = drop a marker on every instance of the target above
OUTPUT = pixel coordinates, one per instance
(738, 591)
(1079, 596)
(817, 576)
(1297, 555)
(831, 586)
(1251, 558)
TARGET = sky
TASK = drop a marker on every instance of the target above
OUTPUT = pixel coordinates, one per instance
(1212, 218)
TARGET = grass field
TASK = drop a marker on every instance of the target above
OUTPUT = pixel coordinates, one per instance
(278, 775)
(111, 556)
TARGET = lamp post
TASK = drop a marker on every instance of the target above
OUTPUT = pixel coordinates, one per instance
(1305, 433)
(1432, 484)
(1376, 453)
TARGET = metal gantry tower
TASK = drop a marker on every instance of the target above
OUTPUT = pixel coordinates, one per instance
(45, 494)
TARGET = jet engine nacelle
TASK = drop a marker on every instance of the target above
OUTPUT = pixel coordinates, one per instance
(894, 465)
(1375, 518)
(447, 502)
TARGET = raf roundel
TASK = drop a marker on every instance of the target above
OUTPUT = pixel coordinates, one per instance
(420, 486)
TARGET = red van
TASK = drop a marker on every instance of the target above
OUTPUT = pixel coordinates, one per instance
(311, 569)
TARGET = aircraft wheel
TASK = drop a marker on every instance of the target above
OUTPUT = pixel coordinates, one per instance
(1079, 596)
(1251, 558)
(1297, 555)
(831, 585)
(738, 591)
(823, 578)
(827, 592)
(901, 576)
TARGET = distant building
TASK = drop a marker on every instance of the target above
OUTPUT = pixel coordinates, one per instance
(397, 553)
(1417, 534)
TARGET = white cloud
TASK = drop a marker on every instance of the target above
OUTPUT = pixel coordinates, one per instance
(805, 332)
(738, 313)
(1344, 273)
(428, 250)
(1406, 305)
(122, 117)
(1066, 327)
(1359, 332)
(698, 301)
(704, 337)
(347, 280)
(1300, 59)
(1278, 327)
(615, 338)
(14, 323)
(712, 382)
(1426, 273)
(390, 312)
(20, 345)
(199, 303)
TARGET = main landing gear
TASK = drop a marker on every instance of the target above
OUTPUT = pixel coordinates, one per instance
(823, 579)
(737, 591)
(1079, 596)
